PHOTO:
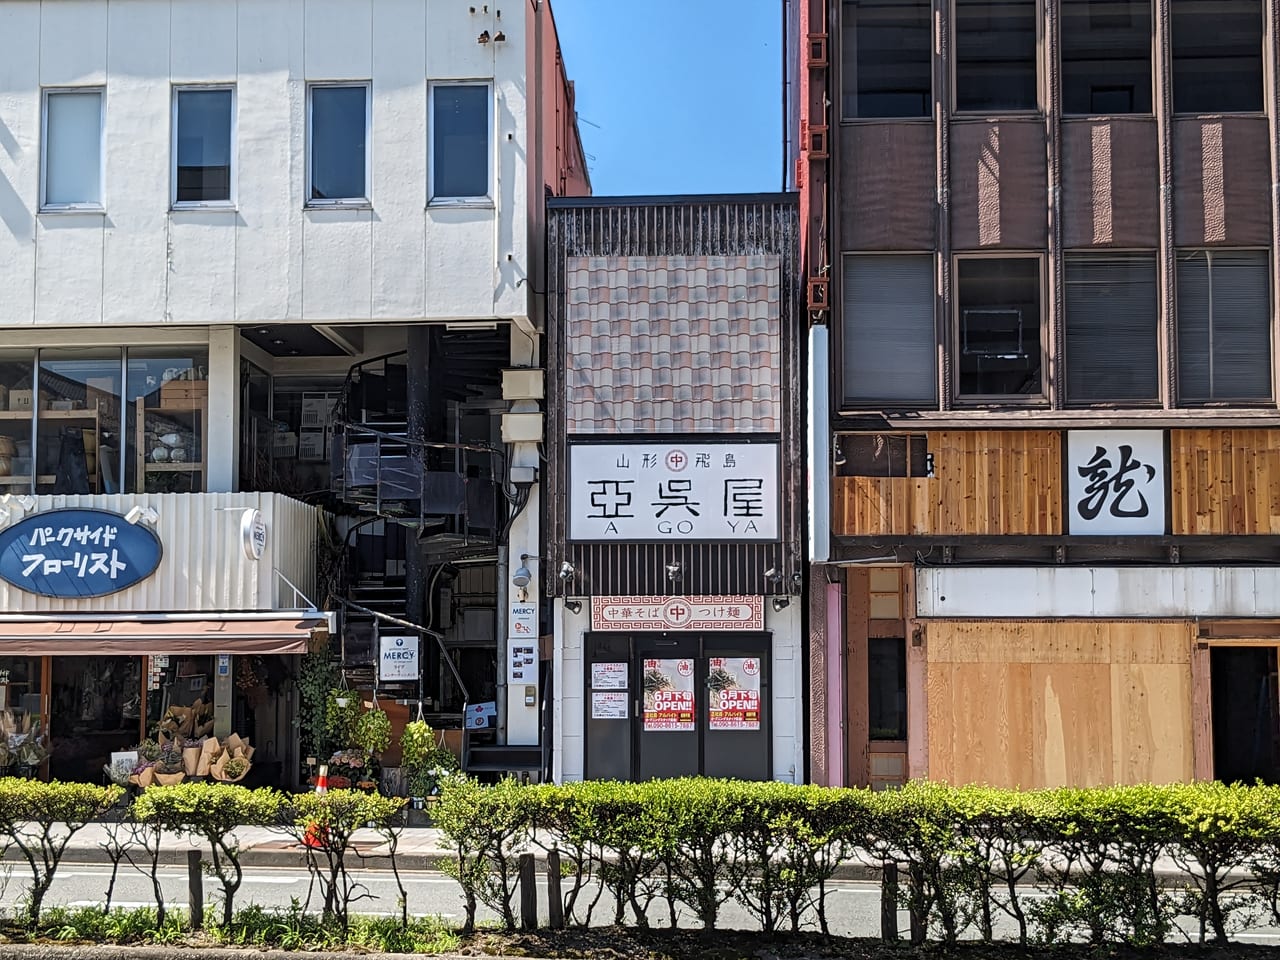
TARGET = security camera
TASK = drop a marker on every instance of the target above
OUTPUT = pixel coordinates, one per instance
(567, 571)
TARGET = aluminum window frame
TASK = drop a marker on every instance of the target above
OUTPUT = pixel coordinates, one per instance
(953, 65)
(970, 400)
(339, 203)
(1155, 76)
(437, 200)
(838, 72)
(76, 207)
(233, 174)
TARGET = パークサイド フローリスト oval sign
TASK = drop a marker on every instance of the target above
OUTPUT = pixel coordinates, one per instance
(77, 553)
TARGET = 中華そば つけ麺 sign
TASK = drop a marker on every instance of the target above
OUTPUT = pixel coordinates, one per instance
(74, 554)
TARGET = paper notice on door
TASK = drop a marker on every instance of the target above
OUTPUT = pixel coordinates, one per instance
(609, 705)
(609, 676)
(733, 699)
(668, 695)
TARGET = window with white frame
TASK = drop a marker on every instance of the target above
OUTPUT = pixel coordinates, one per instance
(338, 139)
(1224, 325)
(72, 157)
(202, 122)
(460, 150)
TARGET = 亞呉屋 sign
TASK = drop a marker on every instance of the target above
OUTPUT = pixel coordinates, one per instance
(75, 554)
(673, 491)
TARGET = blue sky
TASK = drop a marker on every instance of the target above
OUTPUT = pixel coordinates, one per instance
(677, 96)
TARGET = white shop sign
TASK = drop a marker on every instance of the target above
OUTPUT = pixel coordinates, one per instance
(677, 613)
(673, 491)
(397, 658)
(1116, 482)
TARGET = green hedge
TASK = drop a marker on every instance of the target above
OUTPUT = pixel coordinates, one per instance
(1119, 864)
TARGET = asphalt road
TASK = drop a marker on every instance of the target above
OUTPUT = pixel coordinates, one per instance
(853, 907)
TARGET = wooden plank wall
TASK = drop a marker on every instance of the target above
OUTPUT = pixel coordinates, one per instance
(986, 482)
(1039, 703)
(1225, 482)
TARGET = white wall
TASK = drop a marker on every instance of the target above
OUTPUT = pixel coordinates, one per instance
(569, 745)
(1098, 592)
(269, 260)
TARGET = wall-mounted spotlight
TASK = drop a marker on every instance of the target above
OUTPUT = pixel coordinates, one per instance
(141, 514)
(780, 603)
(573, 606)
(483, 38)
(837, 451)
(675, 571)
(567, 571)
(499, 37)
(521, 576)
(773, 575)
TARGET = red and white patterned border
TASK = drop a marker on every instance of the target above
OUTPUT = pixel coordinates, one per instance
(655, 613)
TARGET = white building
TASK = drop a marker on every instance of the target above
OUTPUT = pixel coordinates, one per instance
(237, 237)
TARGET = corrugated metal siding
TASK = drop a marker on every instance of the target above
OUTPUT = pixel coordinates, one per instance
(729, 226)
(204, 567)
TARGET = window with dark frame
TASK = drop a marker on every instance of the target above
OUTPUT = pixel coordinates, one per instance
(887, 687)
(460, 141)
(1106, 56)
(889, 330)
(999, 327)
(883, 455)
(887, 51)
(339, 133)
(995, 56)
(202, 146)
(1224, 325)
(1217, 56)
(1112, 327)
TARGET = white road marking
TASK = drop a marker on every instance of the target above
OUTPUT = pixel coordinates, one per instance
(279, 880)
(115, 904)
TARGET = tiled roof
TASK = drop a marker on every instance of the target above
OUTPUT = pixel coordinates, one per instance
(673, 345)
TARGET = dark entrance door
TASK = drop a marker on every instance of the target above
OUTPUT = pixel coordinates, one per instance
(1246, 714)
(704, 706)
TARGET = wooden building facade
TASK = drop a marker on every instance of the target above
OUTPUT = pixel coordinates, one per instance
(1041, 271)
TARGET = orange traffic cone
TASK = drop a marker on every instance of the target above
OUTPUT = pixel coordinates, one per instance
(314, 836)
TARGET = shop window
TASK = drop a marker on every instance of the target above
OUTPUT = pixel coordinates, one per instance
(998, 313)
(883, 455)
(1224, 325)
(1113, 339)
(202, 122)
(167, 405)
(1217, 56)
(78, 421)
(17, 368)
(339, 139)
(460, 151)
(255, 427)
(1106, 56)
(887, 688)
(995, 62)
(302, 418)
(887, 49)
(72, 149)
(889, 332)
(19, 708)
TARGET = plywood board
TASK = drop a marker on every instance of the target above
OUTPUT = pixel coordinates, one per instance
(1042, 703)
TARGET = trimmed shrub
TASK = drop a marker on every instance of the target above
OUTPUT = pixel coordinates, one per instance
(41, 818)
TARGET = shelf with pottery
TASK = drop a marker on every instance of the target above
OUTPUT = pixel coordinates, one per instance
(12, 472)
(171, 438)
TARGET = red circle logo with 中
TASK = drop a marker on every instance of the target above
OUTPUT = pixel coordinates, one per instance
(677, 460)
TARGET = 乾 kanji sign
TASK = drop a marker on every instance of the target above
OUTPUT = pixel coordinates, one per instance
(673, 491)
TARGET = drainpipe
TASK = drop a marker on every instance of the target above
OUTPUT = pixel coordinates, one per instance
(500, 627)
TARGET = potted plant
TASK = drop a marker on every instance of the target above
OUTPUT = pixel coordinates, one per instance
(417, 743)
(341, 714)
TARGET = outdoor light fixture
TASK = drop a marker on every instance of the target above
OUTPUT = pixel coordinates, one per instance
(567, 571)
(780, 603)
(573, 606)
(4, 517)
(521, 577)
(141, 514)
(674, 570)
(773, 575)
(483, 38)
(499, 37)
(27, 502)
